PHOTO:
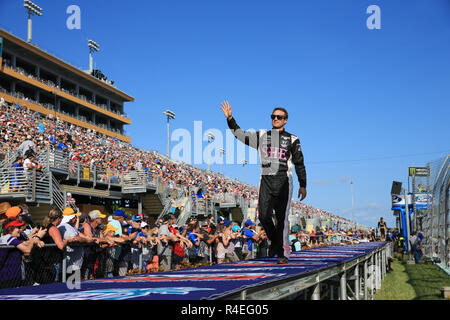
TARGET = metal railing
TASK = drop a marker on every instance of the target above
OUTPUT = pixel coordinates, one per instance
(13, 181)
(436, 221)
(57, 195)
(357, 279)
(49, 264)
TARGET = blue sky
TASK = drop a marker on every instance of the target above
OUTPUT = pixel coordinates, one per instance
(366, 104)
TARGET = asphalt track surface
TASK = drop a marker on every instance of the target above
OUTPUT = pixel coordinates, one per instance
(210, 282)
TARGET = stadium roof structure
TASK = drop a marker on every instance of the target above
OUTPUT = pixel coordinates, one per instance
(49, 57)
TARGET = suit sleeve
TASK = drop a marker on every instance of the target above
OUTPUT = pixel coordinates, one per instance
(298, 161)
(247, 137)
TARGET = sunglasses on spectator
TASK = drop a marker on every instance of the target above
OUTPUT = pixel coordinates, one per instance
(277, 116)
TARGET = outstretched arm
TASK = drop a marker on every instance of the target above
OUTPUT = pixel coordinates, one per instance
(247, 137)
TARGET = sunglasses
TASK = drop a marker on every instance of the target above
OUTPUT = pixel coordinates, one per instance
(278, 117)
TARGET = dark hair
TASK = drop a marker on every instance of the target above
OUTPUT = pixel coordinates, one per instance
(281, 109)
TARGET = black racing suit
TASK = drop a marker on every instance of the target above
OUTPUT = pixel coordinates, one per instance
(278, 151)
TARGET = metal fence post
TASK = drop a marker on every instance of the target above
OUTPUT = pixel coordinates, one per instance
(64, 266)
(343, 286)
(372, 260)
(316, 292)
(365, 279)
(357, 281)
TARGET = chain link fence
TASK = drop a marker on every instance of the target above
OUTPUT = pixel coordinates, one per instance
(49, 264)
(436, 221)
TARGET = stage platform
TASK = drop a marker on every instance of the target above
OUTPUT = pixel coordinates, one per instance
(257, 279)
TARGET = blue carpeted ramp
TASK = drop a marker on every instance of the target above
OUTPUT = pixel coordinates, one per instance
(209, 282)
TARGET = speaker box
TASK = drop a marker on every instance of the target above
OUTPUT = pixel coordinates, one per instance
(396, 187)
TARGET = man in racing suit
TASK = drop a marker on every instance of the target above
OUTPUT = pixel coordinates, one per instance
(279, 151)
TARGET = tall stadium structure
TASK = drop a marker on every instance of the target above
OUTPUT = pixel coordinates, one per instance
(46, 84)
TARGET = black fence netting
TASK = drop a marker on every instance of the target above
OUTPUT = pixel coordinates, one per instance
(50, 264)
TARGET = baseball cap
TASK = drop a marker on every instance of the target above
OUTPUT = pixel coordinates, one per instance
(249, 223)
(136, 218)
(14, 223)
(13, 212)
(4, 206)
(120, 213)
(110, 227)
(220, 219)
(69, 214)
(94, 214)
(144, 225)
(235, 228)
(227, 223)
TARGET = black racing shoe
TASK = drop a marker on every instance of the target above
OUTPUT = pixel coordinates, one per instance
(283, 260)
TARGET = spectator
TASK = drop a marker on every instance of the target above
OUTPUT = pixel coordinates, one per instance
(4, 206)
(178, 246)
(238, 241)
(250, 236)
(414, 244)
(16, 174)
(164, 247)
(28, 144)
(69, 229)
(222, 241)
(119, 220)
(207, 240)
(133, 231)
(294, 240)
(29, 165)
(91, 230)
(11, 259)
(228, 244)
(106, 258)
(47, 268)
(230, 248)
(372, 236)
(153, 264)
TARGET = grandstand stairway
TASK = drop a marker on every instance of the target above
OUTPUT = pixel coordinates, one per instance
(151, 204)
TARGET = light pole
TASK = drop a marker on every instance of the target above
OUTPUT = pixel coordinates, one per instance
(351, 188)
(31, 9)
(210, 138)
(93, 46)
(170, 115)
(244, 162)
(222, 152)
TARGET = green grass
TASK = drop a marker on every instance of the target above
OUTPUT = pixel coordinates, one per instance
(413, 282)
